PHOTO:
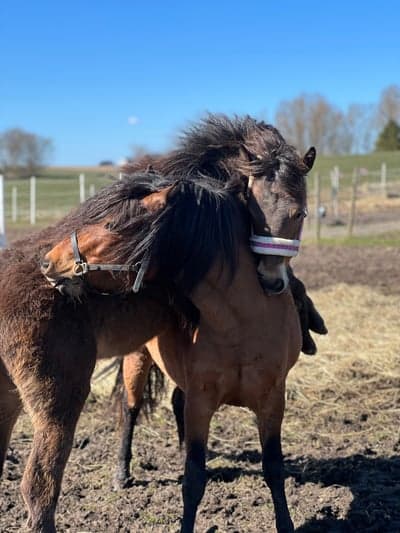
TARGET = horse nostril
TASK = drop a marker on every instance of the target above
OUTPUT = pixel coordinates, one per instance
(275, 286)
(278, 285)
(45, 266)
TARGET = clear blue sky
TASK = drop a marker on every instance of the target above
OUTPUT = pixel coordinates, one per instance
(100, 76)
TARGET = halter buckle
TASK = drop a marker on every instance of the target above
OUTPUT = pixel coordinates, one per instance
(80, 268)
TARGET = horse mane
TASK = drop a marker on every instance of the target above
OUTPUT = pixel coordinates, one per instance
(223, 148)
(201, 222)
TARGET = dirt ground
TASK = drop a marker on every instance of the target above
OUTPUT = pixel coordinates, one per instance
(340, 438)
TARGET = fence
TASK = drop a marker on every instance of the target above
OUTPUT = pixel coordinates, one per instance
(341, 200)
(333, 198)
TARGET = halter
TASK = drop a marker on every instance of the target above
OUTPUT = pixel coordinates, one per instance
(262, 245)
(82, 267)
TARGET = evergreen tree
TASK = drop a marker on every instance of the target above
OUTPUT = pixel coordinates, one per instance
(389, 137)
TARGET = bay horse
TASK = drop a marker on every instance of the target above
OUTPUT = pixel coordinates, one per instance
(228, 358)
(221, 148)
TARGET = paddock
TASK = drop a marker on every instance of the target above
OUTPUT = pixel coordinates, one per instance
(340, 434)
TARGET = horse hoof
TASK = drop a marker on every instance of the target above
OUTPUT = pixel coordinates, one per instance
(309, 347)
(122, 483)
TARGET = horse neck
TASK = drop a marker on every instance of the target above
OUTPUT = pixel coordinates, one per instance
(226, 304)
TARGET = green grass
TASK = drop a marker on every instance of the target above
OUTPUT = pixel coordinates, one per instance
(391, 238)
(346, 163)
(57, 192)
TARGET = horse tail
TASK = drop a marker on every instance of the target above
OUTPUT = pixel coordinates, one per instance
(153, 393)
(154, 390)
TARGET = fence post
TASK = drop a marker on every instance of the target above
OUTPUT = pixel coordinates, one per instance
(120, 176)
(14, 203)
(335, 193)
(352, 214)
(3, 240)
(317, 184)
(33, 201)
(82, 187)
(92, 189)
(384, 179)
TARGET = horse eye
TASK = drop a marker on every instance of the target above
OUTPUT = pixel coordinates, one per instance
(300, 214)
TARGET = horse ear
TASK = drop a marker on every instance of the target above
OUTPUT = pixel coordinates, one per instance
(309, 158)
(157, 200)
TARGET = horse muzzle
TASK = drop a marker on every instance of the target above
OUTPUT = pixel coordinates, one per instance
(67, 286)
(274, 253)
(273, 279)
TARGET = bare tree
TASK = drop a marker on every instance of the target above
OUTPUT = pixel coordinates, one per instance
(23, 153)
(360, 121)
(389, 105)
(292, 118)
(310, 120)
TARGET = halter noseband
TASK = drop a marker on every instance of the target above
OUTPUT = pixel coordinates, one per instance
(262, 245)
(82, 267)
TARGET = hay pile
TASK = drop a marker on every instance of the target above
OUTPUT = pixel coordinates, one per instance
(350, 390)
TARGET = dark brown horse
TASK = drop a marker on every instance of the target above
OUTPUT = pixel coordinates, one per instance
(229, 358)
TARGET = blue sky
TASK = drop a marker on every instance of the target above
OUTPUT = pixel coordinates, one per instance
(100, 76)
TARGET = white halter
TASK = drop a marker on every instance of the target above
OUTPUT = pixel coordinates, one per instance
(274, 246)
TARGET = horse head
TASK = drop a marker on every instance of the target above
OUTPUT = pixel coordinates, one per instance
(273, 174)
(91, 256)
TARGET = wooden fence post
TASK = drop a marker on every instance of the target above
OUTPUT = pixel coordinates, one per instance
(352, 214)
(14, 204)
(384, 180)
(82, 187)
(32, 213)
(335, 193)
(317, 184)
(3, 240)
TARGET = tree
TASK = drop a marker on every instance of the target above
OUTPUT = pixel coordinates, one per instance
(310, 120)
(389, 138)
(23, 153)
(389, 105)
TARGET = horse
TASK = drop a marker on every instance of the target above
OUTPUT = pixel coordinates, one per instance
(227, 359)
(221, 148)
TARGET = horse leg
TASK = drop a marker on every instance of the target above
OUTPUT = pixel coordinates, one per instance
(269, 419)
(178, 406)
(10, 407)
(135, 371)
(53, 384)
(198, 412)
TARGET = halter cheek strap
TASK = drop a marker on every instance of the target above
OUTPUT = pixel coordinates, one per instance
(82, 267)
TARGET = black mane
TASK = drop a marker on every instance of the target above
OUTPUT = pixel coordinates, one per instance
(202, 222)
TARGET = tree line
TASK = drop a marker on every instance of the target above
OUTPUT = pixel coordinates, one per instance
(311, 120)
(22, 153)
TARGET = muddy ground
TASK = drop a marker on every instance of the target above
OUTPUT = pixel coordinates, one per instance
(343, 475)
